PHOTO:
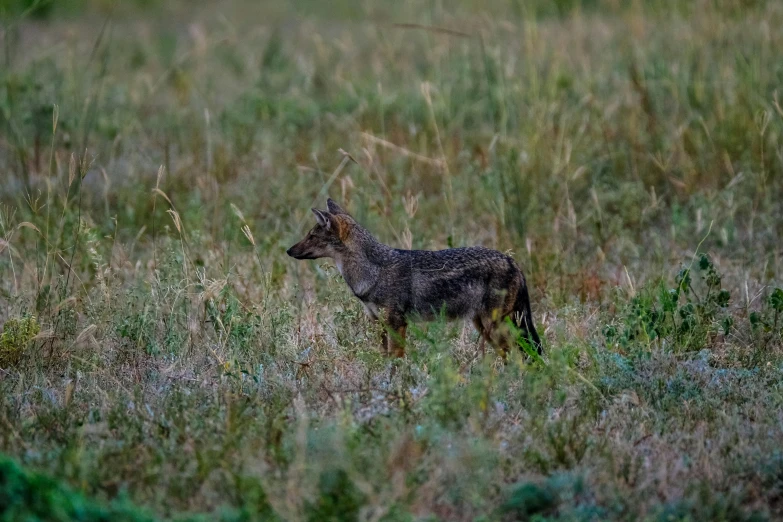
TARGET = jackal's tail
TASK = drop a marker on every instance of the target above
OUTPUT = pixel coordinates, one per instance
(523, 317)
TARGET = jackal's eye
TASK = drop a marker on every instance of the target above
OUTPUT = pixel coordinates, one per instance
(317, 233)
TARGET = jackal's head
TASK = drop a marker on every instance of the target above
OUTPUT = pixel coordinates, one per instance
(326, 238)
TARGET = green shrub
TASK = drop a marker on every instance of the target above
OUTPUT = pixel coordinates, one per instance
(338, 498)
(35, 497)
(17, 334)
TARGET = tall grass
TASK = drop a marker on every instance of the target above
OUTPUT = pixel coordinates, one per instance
(158, 345)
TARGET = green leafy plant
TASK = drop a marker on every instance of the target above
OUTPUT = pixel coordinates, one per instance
(33, 496)
(680, 315)
(16, 337)
(338, 498)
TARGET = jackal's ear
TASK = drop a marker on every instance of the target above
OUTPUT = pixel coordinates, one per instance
(334, 208)
(322, 218)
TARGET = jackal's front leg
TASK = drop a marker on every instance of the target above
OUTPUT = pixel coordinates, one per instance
(394, 334)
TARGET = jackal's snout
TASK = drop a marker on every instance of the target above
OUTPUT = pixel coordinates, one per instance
(299, 251)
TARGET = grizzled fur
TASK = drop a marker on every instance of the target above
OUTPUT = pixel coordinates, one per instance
(475, 282)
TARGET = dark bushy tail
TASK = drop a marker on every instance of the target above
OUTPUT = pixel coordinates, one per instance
(523, 317)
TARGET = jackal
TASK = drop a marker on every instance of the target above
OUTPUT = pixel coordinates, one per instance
(484, 285)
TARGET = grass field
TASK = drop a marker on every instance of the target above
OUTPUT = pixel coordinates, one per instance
(161, 353)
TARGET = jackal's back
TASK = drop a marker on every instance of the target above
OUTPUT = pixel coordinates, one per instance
(463, 282)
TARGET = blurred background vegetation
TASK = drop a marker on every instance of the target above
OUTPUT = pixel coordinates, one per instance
(161, 357)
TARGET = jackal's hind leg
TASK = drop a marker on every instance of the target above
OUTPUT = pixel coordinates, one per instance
(394, 334)
(483, 334)
(495, 334)
(491, 333)
(397, 347)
